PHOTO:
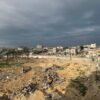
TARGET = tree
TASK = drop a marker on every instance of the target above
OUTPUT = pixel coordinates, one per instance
(26, 51)
(81, 48)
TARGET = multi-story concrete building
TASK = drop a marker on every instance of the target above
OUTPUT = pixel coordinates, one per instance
(39, 46)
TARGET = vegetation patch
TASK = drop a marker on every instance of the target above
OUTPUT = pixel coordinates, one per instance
(10, 64)
(3, 65)
(76, 83)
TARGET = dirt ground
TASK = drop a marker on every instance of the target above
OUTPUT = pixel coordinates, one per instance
(71, 70)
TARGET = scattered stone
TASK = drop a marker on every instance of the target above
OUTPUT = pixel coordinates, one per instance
(26, 69)
(56, 67)
(7, 76)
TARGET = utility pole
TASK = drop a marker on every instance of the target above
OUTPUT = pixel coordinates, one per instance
(70, 54)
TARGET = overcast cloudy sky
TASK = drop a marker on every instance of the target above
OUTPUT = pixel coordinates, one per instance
(49, 22)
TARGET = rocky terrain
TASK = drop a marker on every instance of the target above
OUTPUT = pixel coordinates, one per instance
(50, 79)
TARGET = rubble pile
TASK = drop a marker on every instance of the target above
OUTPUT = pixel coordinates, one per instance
(46, 79)
(28, 89)
(43, 79)
(50, 77)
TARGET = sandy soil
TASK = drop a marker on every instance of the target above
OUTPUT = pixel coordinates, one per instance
(71, 70)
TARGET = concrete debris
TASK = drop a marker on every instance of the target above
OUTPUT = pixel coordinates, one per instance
(53, 96)
(55, 68)
(43, 79)
(28, 89)
(47, 78)
(50, 76)
(26, 69)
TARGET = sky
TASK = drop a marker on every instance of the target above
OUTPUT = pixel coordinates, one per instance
(49, 22)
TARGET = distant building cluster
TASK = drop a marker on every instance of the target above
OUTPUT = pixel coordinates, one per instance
(89, 51)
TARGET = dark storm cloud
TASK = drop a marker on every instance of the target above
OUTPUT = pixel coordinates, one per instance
(51, 22)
